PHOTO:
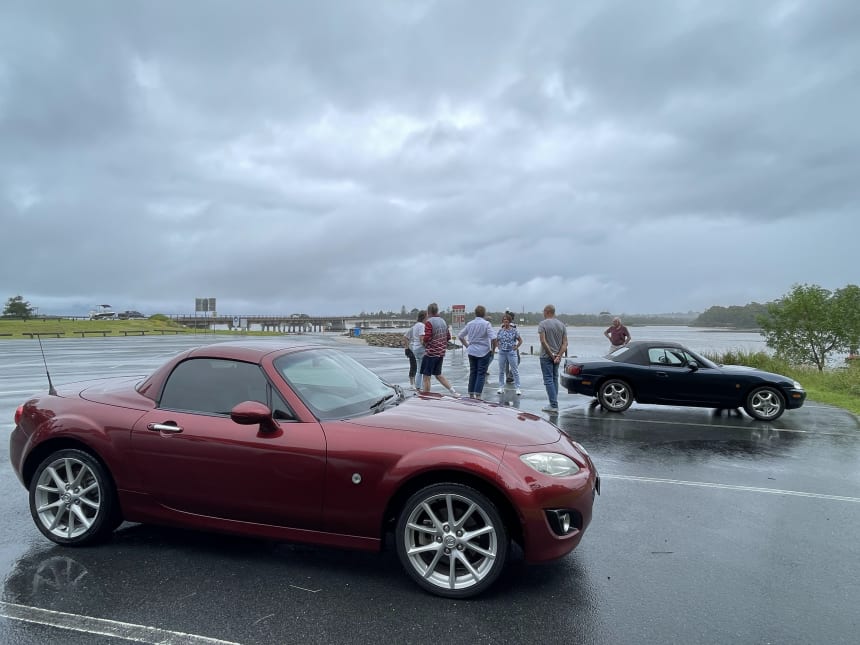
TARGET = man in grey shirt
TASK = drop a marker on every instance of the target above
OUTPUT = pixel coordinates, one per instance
(553, 345)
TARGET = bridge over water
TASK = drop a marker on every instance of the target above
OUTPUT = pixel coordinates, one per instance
(289, 324)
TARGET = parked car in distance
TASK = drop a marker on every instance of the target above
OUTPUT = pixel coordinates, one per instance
(667, 373)
(310, 446)
(131, 315)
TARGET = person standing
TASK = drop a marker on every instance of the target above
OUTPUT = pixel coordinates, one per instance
(617, 334)
(415, 346)
(479, 339)
(553, 345)
(435, 339)
(508, 340)
(509, 377)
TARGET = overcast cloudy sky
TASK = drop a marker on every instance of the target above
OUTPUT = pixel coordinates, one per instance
(334, 157)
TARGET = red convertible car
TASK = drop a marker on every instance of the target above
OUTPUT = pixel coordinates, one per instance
(303, 443)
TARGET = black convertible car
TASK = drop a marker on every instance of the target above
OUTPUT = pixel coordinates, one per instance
(670, 374)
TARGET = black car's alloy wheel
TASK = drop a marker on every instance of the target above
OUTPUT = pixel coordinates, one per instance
(615, 395)
(765, 404)
(72, 499)
(451, 540)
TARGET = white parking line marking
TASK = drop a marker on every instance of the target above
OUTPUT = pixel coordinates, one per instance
(304, 589)
(749, 489)
(103, 627)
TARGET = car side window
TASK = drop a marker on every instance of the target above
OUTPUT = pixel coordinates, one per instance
(214, 386)
(657, 356)
(687, 358)
(676, 357)
(280, 410)
(664, 356)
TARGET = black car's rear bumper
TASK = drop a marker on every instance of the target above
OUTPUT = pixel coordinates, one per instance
(578, 384)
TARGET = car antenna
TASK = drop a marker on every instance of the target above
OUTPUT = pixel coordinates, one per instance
(51, 389)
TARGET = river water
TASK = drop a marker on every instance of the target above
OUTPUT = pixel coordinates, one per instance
(589, 342)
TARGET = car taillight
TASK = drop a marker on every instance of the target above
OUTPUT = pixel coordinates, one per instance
(573, 370)
(19, 413)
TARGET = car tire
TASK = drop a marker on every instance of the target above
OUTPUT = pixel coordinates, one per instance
(615, 395)
(72, 498)
(765, 404)
(451, 540)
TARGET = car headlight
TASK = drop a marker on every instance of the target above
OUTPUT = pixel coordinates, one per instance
(551, 463)
(797, 386)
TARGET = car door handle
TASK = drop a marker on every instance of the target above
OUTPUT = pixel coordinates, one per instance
(163, 427)
(662, 374)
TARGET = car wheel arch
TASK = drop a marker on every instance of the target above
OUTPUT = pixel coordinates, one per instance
(599, 384)
(613, 377)
(503, 504)
(108, 512)
(41, 452)
(756, 385)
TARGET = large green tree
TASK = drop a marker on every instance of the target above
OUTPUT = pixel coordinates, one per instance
(17, 307)
(847, 304)
(810, 322)
(738, 317)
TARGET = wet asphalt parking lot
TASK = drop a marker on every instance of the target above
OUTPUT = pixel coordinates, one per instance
(709, 529)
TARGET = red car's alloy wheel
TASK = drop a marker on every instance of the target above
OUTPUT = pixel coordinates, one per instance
(452, 540)
(72, 499)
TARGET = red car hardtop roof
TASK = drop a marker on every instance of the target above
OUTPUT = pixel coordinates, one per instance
(252, 351)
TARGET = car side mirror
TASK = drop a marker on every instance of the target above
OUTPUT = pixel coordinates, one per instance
(248, 413)
(693, 365)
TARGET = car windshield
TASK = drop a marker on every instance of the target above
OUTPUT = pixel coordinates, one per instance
(333, 385)
(701, 360)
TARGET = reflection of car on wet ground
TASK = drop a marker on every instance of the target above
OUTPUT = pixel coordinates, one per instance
(303, 443)
(668, 373)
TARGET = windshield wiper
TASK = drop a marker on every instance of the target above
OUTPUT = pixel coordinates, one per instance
(381, 402)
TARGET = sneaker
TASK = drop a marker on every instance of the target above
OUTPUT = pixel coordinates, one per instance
(518, 391)
(501, 390)
(455, 393)
(550, 408)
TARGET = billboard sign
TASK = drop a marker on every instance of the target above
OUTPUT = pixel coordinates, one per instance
(204, 304)
(458, 316)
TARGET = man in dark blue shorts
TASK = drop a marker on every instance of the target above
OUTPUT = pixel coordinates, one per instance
(436, 337)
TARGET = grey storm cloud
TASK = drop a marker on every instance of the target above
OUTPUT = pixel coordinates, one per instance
(333, 157)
